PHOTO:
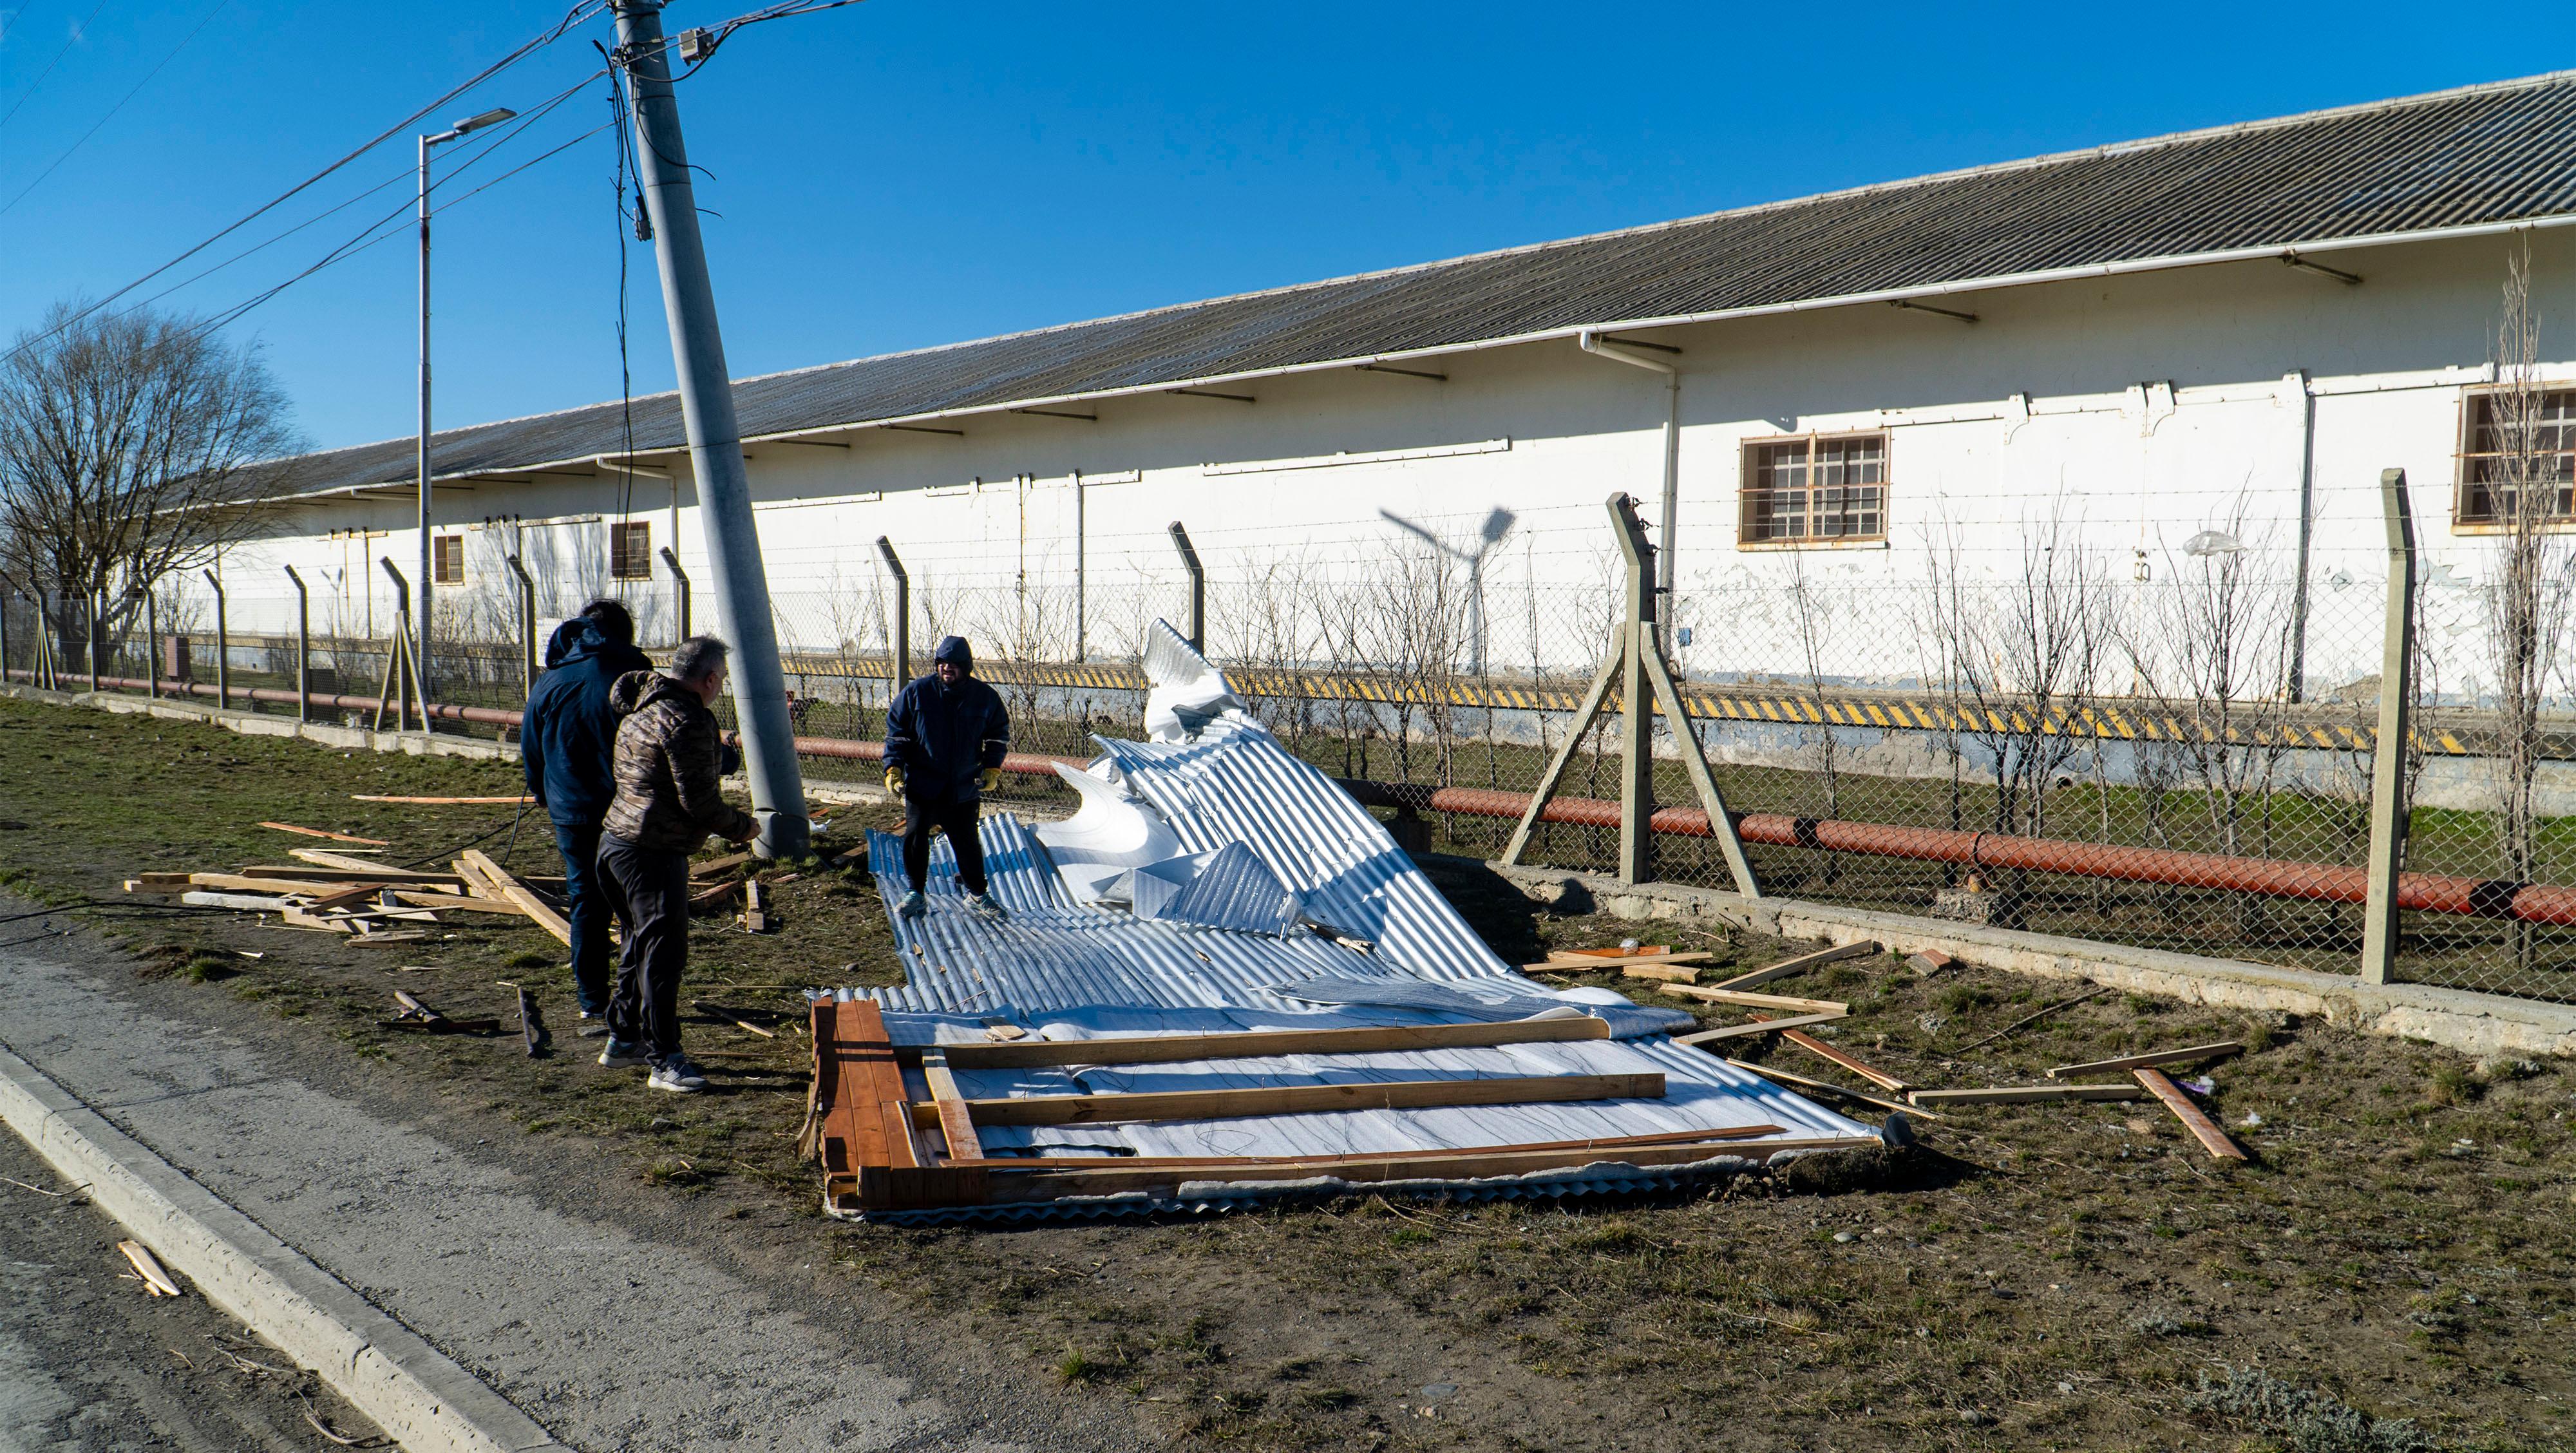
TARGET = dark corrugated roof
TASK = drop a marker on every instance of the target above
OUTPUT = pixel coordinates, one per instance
(2479, 157)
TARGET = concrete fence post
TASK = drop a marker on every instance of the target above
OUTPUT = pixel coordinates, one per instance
(90, 635)
(527, 625)
(303, 646)
(902, 615)
(223, 647)
(151, 644)
(1198, 587)
(2388, 763)
(679, 592)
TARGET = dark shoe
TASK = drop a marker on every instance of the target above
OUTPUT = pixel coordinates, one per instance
(620, 1055)
(912, 906)
(983, 907)
(677, 1075)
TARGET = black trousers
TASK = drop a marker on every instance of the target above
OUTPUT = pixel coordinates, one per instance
(957, 819)
(648, 889)
(589, 915)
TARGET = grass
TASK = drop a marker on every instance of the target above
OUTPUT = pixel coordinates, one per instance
(2037, 1277)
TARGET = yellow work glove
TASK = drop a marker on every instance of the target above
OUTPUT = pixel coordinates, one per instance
(894, 780)
(991, 779)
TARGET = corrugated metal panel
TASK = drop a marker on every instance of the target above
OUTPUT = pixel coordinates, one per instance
(2485, 156)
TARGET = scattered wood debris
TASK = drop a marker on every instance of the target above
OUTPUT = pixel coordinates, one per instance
(2188, 1055)
(420, 1018)
(755, 917)
(156, 1281)
(2204, 1129)
(448, 801)
(337, 837)
(362, 900)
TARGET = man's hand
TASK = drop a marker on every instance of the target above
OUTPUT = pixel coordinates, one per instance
(894, 780)
(750, 830)
(990, 779)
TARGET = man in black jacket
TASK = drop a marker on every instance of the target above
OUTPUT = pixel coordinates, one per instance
(946, 735)
(565, 743)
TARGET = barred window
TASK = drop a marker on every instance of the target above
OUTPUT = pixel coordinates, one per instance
(2486, 493)
(447, 560)
(630, 551)
(1819, 488)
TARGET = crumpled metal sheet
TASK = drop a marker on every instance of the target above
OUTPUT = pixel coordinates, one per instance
(1228, 888)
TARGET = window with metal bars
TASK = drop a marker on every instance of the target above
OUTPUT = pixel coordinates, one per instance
(1817, 489)
(447, 559)
(2500, 454)
(630, 551)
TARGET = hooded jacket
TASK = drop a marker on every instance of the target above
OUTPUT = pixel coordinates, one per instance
(570, 730)
(670, 767)
(943, 736)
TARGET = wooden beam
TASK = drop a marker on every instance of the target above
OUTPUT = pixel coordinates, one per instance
(1759, 1026)
(1799, 1081)
(1580, 963)
(1304, 1099)
(246, 902)
(1824, 1051)
(2205, 1130)
(1758, 1001)
(2154, 1057)
(452, 801)
(513, 890)
(243, 883)
(405, 877)
(713, 866)
(1190, 1162)
(1662, 973)
(1267, 1043)
(2027, 1094)
(956, 1122)
(1798, 965)
(1006, 1187)
(458, 903)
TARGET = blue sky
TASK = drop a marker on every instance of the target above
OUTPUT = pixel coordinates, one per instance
(898, 174)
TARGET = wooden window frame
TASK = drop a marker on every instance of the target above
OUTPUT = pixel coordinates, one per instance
(442, 549)
(1747, 492)
(2463, 461)
(635, 562)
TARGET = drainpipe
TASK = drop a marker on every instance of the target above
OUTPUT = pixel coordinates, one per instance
(2295, 686)
(1624, 350)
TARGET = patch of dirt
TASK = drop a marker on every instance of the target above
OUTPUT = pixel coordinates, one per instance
(2039, 1276)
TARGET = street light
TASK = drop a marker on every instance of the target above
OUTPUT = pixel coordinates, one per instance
(428, 566)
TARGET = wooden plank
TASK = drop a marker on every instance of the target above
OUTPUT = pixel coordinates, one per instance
(1758, 1001)
(329, 859)
(1568, 963)
(1190, 1162)
(1824, 1051)
(1799, 965)
(376, 873)
(1662, 973)
(400, 935)
(299, 918)
(337, 837)
(160, 883)
(457, 903)
(2027, 1094)
(246, 902)
(1305, 1099)
(1266, 1043)
(361, 893)
(155, 1280)
(1006, 1187)
(755, 919)
(512, 890)
(713, 866)
(239, 883)
(448, 801)
(2216, 1141)
(956, 1122)
(2219, 1050)
(1759, 1026)
(1799, 1081)
(1632, 955)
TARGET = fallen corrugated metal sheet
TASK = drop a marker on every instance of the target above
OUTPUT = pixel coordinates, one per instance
(1059, 968)
(2474, 158)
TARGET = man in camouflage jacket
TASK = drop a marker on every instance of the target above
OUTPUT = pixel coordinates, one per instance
(669, 769)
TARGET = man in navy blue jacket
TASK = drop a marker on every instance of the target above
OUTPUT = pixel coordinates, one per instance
(567, 742)
(946, 735)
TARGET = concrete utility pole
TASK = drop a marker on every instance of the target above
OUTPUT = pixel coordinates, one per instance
(715, 439)
(428, 559)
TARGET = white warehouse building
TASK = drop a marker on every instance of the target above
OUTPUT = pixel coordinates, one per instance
(2224, 334)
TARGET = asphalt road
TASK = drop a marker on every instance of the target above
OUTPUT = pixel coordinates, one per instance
(88, 1361)
(609, 1321)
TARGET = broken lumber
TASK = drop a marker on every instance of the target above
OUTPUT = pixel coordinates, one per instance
(374, 873)
(1662, 973)
(713, 866)
(2153, 1057)
(1758, 1001)
(2216, 1141)
(446, 901)
(1824, 1051)
(399, 935)
(717, 896)
(342, 898)
(511, 889)
(755, 919)
(246, 902)
(297, 917)
(1758, 1026)
(1804, 1082)
(1718, 1135)
(2027, 1094)
(337, 837)
(155, 1280)
(1267, 1043)
(1581, 963)
(1303, 1099)
(1799, 965)
(956, 1120)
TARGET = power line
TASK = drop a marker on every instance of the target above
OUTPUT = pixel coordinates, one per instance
(112, 110)
(70, 38)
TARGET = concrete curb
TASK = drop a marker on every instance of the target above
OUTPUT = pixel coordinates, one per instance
(2478, 1024)
(421, 1398)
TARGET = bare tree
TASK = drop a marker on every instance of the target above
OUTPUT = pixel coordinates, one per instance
(2525, 472)
(1262, 618)
(1415, 623)
(122, 438)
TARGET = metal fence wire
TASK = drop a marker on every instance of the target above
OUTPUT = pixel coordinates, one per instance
(2167, 743)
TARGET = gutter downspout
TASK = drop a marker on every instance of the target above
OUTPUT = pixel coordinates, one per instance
(2295, 687)
(1594, 341)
